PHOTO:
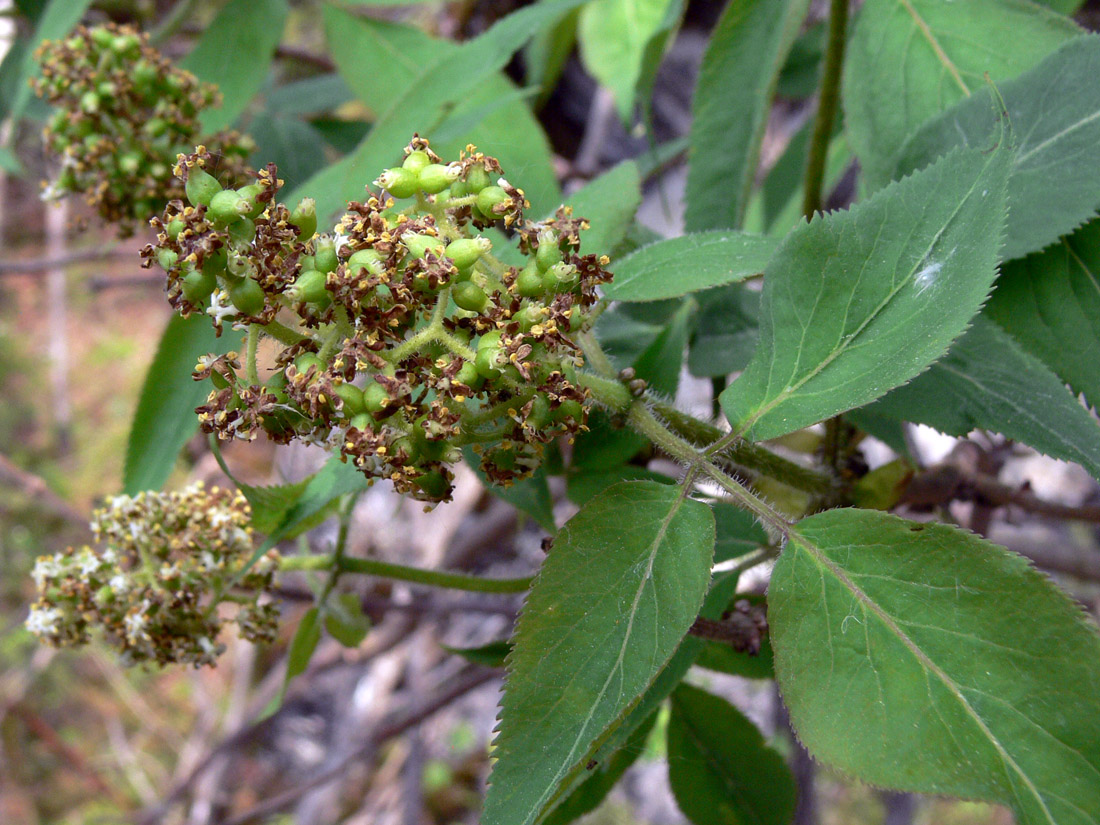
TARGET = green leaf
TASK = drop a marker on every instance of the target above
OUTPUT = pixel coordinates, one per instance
(493, 654)
(165, 416)
(1050, 303)
(425, 102)
(302, 646)
(609, 203)
(613, 36)
(344, 619)
(737, 532)
(311, 96)
(720, 770)
(235, 53)
(620, 588)
(733, 97)
(333, 480)
(270, 503)
(669, 269)
(56, 21)
(988, 382)
(726, 331)
(908, 60)
(1053, 185)
(856, 303)
(530, 496)
(290, 143)
(547, 54)
(923, 658)
(601, 778)
(583, 484)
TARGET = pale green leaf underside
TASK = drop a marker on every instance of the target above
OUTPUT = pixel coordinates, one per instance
(730, 108)
(1054, 183)
(908, 60)
(669, 269)
(923, 658)
(1050, 303)
(613, 35)
(622, 584)
(988, 382)
(720, 770)
(856, 303)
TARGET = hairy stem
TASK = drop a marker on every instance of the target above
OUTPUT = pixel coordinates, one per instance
(827, 101)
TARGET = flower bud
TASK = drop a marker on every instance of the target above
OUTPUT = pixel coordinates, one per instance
(247, 296)
(491, 199)
(365, 259)
(465, 252)
(227, 207)
(529, 282)
(198, 286)
(399, 182)
(416, 160)
(477, 178)
(549, 253)
(435, 177)
(470, 296)
(324, 255)
(310, 287)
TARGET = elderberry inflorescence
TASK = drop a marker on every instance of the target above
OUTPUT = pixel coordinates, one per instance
(153, 584)
(123, 114)
(402, 338)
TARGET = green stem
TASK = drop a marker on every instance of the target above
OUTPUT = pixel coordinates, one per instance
(415, 575)
(252, 370)
(595, 355)
(176, 18)
(743, 455)
(828, 100)
(338, 550)
(607, 391)
(282, 333)
(643, 421)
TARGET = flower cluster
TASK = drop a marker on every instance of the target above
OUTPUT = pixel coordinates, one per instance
(153, 584)
(123, 114)
(402, 337)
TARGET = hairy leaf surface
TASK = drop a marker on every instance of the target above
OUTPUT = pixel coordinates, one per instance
(623, 583)
(1050, 303)
(1054, 182)
(987, 381)
(856, 303)
(733, 96)
(720, 770)
(669, 269)
(908, 60)
(924, 658)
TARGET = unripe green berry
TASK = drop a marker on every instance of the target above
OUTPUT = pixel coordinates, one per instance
(469, 376)
(418, 245)
(368, 259)
(528, 316)
(89, 101)
(174, 227)
(465, 252)
(167, 259)
(201, 186)
(470, 296)
(227, 207)
(488, 348)
(352, 397)
(459, 189)
(309, 359)
(462, 275)
(304, 217)
(416, 160)
(324, 255)
(399, 182)
(198, 286)
(250, 193)
(310, 287)
(361, 422)
(214, 264)
(491, 197)
(247, 296)
(529, 282)
(242, 233)
(433, 484)
(548, 253)
(477, 178)
(569, 409)
(560, 277)
(539, 416)
(435, 177)
(375, 398)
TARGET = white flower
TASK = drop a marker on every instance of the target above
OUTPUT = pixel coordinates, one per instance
(135, 624)
(45, 569)
(43, 621)
(119, 584)
(220, 306)
(89, 562)
(339, 240)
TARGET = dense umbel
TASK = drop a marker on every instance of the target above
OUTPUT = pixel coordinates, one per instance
(401, 337)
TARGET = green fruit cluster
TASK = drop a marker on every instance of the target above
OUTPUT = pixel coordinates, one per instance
(123, 114)
(400, 336)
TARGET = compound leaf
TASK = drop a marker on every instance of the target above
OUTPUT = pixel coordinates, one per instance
(669, 269)
(1050, 303)
(620, 588)
(924, 658)
(856, 303)
(908, 60)
(987, 381)
(1054, 182)
(720, 770)
(733, 96)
